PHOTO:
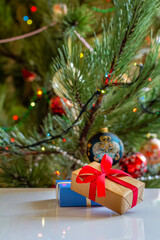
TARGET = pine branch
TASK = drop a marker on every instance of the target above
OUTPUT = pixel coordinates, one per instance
(27, 153)
(11, 55)
(92, 118)
(127, 35)
(77, 93)
(89, 123)
(18, 59)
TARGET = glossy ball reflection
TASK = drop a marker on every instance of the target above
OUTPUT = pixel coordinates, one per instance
(151, 150)
(133, 163)
(105, 143)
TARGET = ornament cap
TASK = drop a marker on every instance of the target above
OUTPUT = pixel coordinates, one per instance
(104, 130)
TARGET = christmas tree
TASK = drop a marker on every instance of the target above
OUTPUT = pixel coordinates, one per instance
(102, 85)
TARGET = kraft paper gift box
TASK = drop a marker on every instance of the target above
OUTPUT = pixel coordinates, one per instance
(68, 198)
(116, 197)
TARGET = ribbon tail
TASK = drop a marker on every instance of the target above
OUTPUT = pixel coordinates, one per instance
(101, 191)
(127, 185)
(92, 191)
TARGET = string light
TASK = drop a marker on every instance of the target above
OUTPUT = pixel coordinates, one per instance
(15, 117)
(43, 148)
(57, 173)
(48, 134)
(134, 109)
(12, 140)
(40, 235)
(29, 21)
(81, 55)
(107, 78)
(72, 125)
(102, 91)
(25, 115)
(64, 140)
(39, 92)
(43, 221)
(96, 93)
(149, 79)
(136, 64)
(148, 135)
(148, 178)
(147, 106)
(25, 18)
(33, 9)
(103, 10)
(33, 104)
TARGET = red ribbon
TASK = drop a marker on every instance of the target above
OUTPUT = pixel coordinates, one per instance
(96, 179)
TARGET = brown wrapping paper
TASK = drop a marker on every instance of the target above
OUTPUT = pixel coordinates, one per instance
(118, 198)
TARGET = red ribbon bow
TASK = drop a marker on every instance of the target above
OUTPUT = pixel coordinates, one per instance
(96, 179)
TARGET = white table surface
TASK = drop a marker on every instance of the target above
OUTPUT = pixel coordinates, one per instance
(33, 214)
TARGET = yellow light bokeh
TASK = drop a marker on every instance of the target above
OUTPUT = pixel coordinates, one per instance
(29, 22)
(134, 109)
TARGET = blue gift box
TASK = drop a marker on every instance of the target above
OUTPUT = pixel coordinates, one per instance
(69, 198)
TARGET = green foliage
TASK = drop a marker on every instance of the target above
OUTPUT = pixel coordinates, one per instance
(152, 183)
(81, 77)
(26, 173)
(78, 79)
(79, 18)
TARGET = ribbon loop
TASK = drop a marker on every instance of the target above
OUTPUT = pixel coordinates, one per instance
(97, 179)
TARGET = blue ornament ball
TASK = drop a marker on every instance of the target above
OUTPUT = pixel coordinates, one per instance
(105, 143)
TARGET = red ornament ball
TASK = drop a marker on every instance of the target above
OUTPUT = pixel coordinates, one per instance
(57, 106)
(28, 76)
(134, 164)
(151, 150)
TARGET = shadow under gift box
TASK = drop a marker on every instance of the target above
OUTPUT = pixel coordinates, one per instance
(118, 198)
(68, 198)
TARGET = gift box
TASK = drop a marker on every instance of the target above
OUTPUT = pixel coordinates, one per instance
(68, 198)
(111, 188)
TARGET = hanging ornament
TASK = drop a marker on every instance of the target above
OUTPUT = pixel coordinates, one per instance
(28, 76)
(57, 106)
(153, 169)
(104, 143)
(60, 9)
(133, 163)
(151, 150)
